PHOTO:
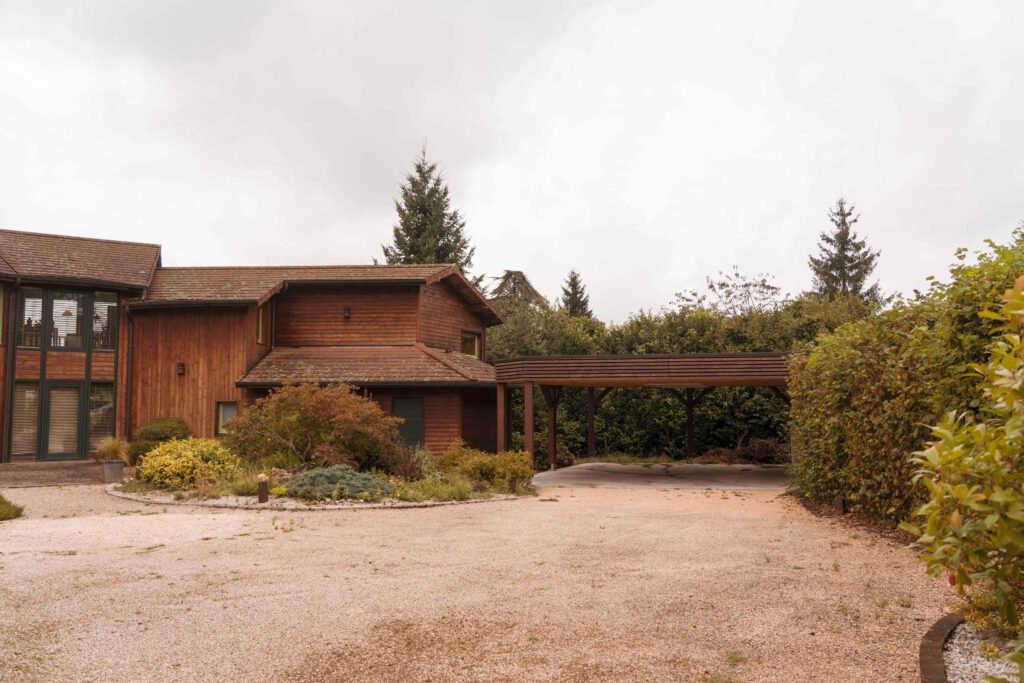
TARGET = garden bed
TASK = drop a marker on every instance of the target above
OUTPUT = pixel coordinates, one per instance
(291, 504)
(970, 656)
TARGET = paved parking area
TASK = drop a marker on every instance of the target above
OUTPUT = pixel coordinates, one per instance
(669, 476)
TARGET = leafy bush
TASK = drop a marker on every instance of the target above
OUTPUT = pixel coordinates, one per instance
(505, 472)
(182, 464)
(113, 449)
(306, 423)
(163, 429)
(9, 510)
(153, 433)
(337, 482)
(974, 475)
(861, 395)
(435, 487)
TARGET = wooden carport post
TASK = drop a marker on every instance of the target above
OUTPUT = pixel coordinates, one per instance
(552, 394)
(593, 402)
(691, 399)
(502, 445)
(528, 417)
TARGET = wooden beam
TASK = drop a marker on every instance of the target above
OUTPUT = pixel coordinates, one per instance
(502, 418)
(528, 417)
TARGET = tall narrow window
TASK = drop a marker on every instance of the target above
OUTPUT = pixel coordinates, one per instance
(101, 414)
(67, 310)
(104, 321)
(261, 337)
(3, 300)
(225, 411)
(471, 344)
(30, 317)
(25, 419)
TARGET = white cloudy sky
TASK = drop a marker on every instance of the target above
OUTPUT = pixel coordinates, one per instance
(646, 144)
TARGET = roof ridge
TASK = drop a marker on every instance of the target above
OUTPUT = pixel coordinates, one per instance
(78, 237)
(438, 266)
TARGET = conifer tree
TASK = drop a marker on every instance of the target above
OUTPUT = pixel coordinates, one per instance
(513, 287)
(844, 261)
(575, 299)
(428, 229)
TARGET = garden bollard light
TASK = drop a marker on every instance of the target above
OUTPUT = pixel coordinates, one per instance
(262, 489)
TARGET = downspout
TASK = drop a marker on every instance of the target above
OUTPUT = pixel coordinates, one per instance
(128, 375)
(11, 302)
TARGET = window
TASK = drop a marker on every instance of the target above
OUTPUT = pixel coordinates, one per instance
(101, 414)
(67, 310)
(62, 435)
(30, 317)
(471, 344)
(409, 409)
(225, 411)
(25, 419)
(2, 300)
(104, 321)
(261, 337)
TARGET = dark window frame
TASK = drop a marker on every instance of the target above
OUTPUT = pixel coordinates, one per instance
(478, 343)
(219, 428)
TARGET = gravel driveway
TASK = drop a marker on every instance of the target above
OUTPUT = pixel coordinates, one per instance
(577, 584)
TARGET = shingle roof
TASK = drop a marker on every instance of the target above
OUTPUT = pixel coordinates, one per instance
(367, 366)
(256, 284)
(38, 256)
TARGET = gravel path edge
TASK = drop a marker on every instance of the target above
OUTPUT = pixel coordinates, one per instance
(295, 506)
(932, 657)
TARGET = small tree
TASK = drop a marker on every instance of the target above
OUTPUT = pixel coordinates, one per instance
(575, 299)
(306, 423)
(844, 262)
(428, 229)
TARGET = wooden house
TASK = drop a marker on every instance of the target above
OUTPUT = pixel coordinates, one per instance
(98, 338)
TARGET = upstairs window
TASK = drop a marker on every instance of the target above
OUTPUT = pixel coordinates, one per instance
(471, 344)
(29, 332)
(104, 321)
(261, 336)
(67, 310)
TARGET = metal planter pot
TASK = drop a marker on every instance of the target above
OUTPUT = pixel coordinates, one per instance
(113, 470)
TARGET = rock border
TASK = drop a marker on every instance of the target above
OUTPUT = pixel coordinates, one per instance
(240, 503)
(933, 661)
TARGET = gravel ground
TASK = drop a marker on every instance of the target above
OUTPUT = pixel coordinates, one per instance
(573, 585)
(965, 662)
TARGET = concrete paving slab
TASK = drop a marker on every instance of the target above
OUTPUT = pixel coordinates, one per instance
(668, 476)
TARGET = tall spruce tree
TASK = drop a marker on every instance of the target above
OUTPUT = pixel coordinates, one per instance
(513, 288)
(844, 261)
(575, 299)
(428, 229)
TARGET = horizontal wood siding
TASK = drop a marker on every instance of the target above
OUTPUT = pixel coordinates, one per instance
(210, 342)
(65, 365)
(27, 364)
(444, 315)
(479, 419)
(314, 316)
(102, 366)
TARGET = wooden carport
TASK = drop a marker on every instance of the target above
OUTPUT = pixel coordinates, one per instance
(689, 377)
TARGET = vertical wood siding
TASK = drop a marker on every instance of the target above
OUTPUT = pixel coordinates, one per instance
(211, 342)
(444, 316)
(314, 316)
(442, 413)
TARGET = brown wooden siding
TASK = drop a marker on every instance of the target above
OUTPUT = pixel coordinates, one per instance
(442, 420)
(254, 350)
(212, 344)
(65, 365)
(27, 364)
(479, 419)
(103, 369)
(444, 316)
(314, 316)
(121, 396)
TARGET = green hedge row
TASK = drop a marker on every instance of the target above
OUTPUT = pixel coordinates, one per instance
(863, 396)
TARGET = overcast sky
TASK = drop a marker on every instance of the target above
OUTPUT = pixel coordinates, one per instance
(645, 144)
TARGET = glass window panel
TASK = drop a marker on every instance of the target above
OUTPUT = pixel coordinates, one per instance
(30, 317)
(24, 419)
(225, 411)
(67, 310)
(471, 344)
(104, 321)
(62, 437)
(101, 414)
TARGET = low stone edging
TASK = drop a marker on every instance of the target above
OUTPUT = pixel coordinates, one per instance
(296, 506)
(933, 661)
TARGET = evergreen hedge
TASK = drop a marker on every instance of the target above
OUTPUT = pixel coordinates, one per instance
(862, 396)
